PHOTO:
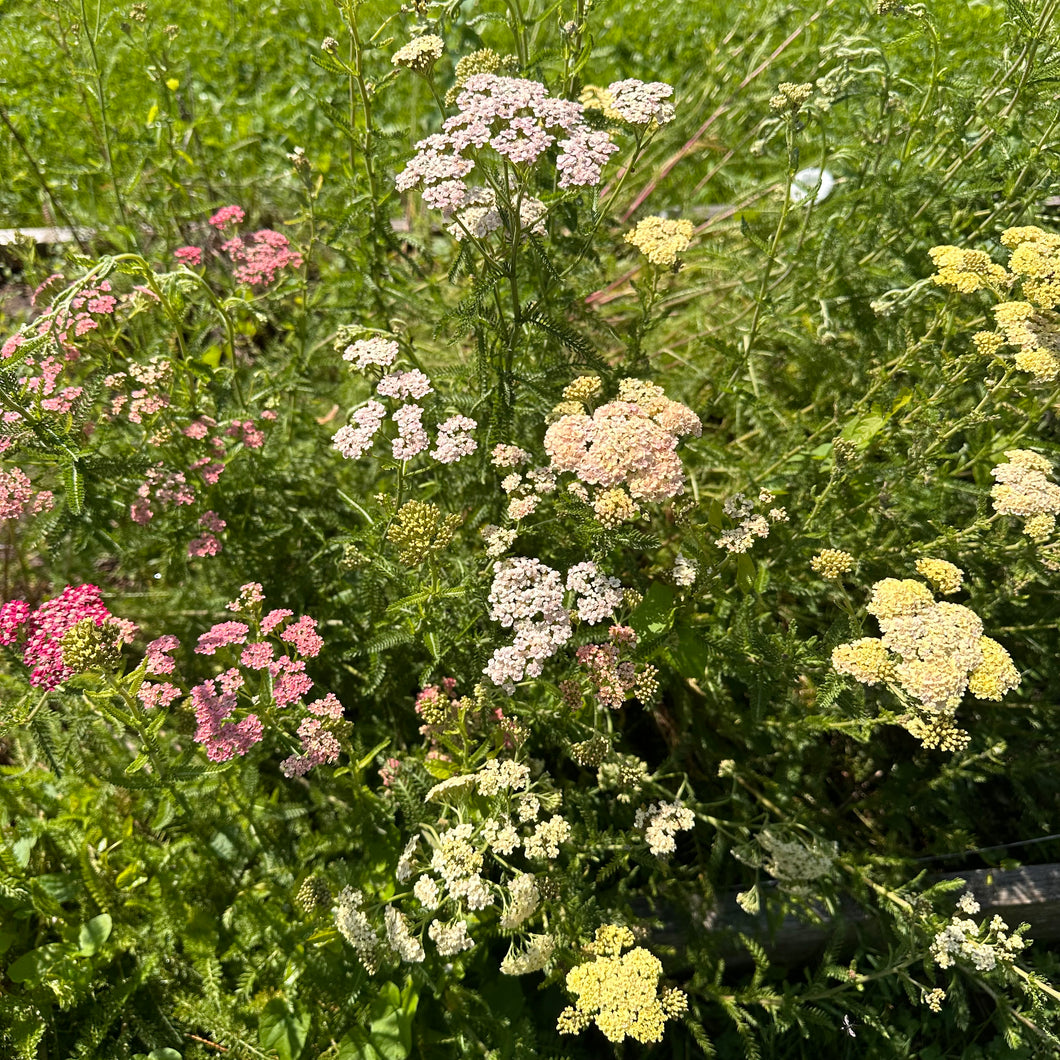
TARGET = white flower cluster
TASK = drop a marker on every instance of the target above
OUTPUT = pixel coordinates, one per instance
(684, 571)
(546, 838)
(496, 776)
(749, 526)
(355, 928)
(522, 901)
(641, 103)
(527, 596)
(537, 953)
(402, 941)
(525, 493)
(455, 439)
(661, 821)
(597, 594)
(498, 540)
(480, 215)
(450, 939)
(982, 945)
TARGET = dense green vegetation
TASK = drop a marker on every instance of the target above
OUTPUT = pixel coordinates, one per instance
(800, 389)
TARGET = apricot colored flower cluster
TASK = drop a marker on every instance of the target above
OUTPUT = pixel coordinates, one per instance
(626, 444)
(620, 992)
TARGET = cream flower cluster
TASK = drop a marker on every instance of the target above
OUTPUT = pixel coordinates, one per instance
(660, 822)
(1022, 489)
(661, 240)
(983, 946)
(354, 926)
(620, 992)
(626, 444)
(749, 523)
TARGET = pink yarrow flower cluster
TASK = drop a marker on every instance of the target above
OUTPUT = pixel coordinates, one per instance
(38, 634)
(518, 121)
(262, 257)
(17, 495)
(528, 597)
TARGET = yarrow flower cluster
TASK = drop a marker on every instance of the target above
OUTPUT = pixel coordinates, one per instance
(626, 444)
(519, 122)
(660, 240)
(934, 652)
(1022, 489)
(455, 438)
(750, 524)
(420, 54)
(620, 992)
(528, 597)
(983, 946)
(661, 821)
(37, 634)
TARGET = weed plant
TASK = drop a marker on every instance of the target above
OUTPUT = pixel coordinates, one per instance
(504, 507)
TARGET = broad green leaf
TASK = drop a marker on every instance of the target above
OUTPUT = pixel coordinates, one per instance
(283, 1029)
(94, 934)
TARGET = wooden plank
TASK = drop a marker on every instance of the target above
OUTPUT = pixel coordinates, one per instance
(1025, 895)
(42, 236)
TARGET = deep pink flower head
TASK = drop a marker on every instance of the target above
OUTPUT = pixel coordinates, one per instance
(44, 629)
(158, 656)
(191, 256)
(302, 636)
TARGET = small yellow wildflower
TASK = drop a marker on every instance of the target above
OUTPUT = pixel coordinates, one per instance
(565, 408)
(593, 97)
(790, 96)
(1040, 527)
(988, 343)
(831, 563)
(946, 578)
(995, 675)
(661, 240)
(620, 994)
(965, 270)
(934, 998)
(614, 507)
(939, 731)
(584, 388)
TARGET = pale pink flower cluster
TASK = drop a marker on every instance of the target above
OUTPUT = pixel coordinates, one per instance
(412, 438)
(509, 456)
(17, 495)
(375, 350)
(528, 597)
(626, 443)
(354, 442)
(517, 120)
(160, 487)
(402, 385)
(641, 103)
(319, 745)
(479, 216)
(41, 631)
(455, 440)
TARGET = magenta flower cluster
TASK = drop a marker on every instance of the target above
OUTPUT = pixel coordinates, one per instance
(37, 634)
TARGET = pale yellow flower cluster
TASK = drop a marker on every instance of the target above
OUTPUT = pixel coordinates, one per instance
(661, 239)
(1030, 324)
(945, 578)
(790, 96)
(620, 993)
(420, 54)
(966, 270)
(593, 97)
(831, 563)
(933, 651)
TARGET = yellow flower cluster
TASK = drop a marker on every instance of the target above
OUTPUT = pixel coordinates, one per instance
(831, 562)
(420, 54)
(661, 240)
(946, 578)
(620, 993)
(1030, 324)
(966, 270)
(593, 97)
(790, 96)
(933, 651)
(420, 531)
(584, 388)
(614, 507)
